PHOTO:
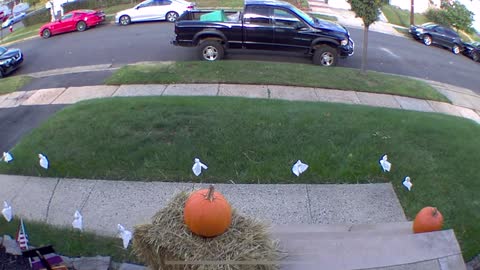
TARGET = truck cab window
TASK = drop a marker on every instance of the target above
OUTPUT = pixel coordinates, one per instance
(257, 15)
(284, 18)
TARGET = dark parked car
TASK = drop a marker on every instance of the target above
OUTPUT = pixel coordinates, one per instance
(264, 25)
(431, 33)
(10, 59)
(472, 50)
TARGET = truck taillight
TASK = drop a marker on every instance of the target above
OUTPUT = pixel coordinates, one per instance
(190, 7)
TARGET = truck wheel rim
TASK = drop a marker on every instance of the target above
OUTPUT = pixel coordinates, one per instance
(210, 53)
(327, 59)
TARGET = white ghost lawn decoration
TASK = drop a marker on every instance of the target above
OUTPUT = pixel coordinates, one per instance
(77, 221)
(198, 166)
(299, 167)
(7, 157)
(407, 183)
(386, 166)
(43, 161)
(125, 235)
(7, 211)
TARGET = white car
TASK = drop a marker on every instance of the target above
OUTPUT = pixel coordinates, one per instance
(13, 19)
(153, 10)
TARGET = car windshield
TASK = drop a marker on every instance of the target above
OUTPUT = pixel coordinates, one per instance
(2, 50)
(303, 15)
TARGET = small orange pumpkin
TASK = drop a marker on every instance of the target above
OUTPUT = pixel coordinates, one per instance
(429, 219)
(207, 213)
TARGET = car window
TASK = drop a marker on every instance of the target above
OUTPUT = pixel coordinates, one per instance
(284, 18)
(439, 29)
(257, 15)
(147, 4)
(2, 50)
(163, 2)
(67, 16)
(451, 32)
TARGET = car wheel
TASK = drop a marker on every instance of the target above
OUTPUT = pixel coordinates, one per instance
(46, 33)
(81, 26)
(456, 49)
(124, 20)
(171, 16)
(427, 40)
(211, 50)
(476, 56)
(325, 56)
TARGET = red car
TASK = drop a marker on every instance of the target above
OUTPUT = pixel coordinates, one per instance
(78, 20)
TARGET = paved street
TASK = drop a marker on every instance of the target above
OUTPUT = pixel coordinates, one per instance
(115, 45)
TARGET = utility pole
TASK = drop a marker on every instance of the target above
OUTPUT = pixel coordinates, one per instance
(412, 13)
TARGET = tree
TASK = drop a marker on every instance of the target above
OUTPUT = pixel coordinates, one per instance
(452, 14)
(368, 10)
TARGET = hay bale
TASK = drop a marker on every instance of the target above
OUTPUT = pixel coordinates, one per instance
(168, 239)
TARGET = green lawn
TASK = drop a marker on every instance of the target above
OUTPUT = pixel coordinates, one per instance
(25, 32)
(12, 84)
(324, 17)
(69, 242)
(251, 72)
(247, 140)
(401, 17)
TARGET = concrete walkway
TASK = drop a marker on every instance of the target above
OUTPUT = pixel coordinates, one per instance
(465, 103)
(104, 204)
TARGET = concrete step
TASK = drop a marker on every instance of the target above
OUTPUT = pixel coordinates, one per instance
(378, 246)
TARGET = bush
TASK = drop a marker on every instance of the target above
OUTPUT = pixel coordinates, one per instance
(38, 16)
(437, 16)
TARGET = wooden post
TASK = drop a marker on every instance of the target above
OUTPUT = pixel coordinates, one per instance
(412, 13)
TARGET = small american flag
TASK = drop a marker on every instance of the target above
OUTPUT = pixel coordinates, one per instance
(21, 236)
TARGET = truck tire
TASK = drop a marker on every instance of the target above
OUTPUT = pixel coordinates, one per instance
(211, 50)
(325, 55)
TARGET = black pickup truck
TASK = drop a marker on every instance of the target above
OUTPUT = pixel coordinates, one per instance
(264, 25)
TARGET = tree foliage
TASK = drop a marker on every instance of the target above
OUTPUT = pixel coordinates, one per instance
(368, 10)
(453, 14)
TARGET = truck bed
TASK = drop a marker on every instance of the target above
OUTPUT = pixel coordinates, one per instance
(195, 15)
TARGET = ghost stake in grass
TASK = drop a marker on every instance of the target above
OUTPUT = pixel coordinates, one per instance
(77, 221)
(125, 235)
(299, 167)
(7, 157)
(407, 183)
(43, 161)
(386, 166)
(198, 166)
(7, 211)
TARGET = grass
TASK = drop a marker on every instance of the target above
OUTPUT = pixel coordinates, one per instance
(12, 84)
(401, 17)
(402, 31)
(117, 8)
(324, 17)
(69, 242)
(248, 72)
(25, 32)
(257, 141)
(220, 3)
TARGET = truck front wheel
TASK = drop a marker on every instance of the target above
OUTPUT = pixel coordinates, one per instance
(211, 50)
(325, 55)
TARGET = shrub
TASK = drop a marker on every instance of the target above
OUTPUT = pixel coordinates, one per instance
(38, 16)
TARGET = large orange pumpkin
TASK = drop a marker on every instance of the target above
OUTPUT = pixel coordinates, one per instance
(207, 213)
(429, 219)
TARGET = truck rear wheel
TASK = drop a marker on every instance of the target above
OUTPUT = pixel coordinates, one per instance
(211, 50)
(325, 55)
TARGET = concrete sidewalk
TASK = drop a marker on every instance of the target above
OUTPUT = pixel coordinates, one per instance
(465, 103)
(104, 204)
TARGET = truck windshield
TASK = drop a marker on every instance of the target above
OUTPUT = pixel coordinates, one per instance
(304, 15)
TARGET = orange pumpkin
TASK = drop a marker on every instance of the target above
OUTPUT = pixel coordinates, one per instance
(207, 213)
(429, 219)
